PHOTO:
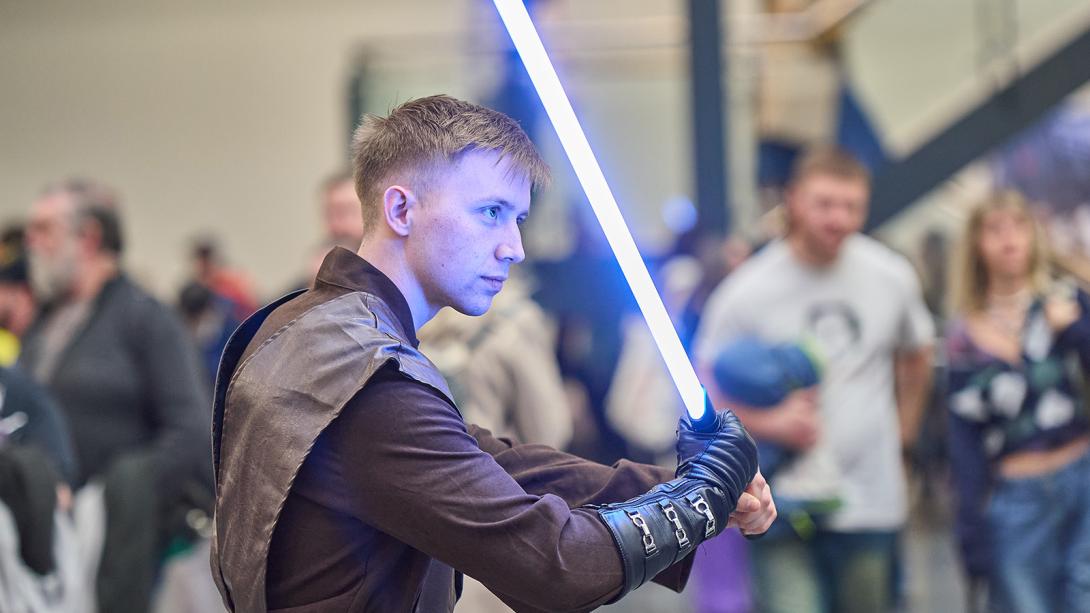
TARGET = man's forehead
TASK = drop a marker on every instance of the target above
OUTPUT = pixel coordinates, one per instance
(52, 205)
(827, 181)
(480, 159)
(487, 170)
(341, 189)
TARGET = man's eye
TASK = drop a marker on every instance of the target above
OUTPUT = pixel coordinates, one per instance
(492, 212)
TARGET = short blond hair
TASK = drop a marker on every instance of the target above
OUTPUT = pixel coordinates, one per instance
(828, 160)
(970, 281)
(421, 134)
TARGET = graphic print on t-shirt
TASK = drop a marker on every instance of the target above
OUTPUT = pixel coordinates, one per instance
(835, 326)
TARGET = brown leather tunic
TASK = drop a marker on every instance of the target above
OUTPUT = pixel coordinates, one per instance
(398, 490)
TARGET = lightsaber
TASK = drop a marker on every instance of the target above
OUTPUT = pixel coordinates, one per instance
(525, 37)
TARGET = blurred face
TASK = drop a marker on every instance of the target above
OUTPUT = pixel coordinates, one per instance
(465, 233)
(825, 210)
(1005, 244)
(52, 247)
(342, 214)
(16, 308)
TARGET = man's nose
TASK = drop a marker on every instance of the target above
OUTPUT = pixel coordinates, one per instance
(510, 249)
(842, 219)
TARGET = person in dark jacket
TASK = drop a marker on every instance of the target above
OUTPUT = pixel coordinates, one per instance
(125, 376)
(346, 478)
(36, 465)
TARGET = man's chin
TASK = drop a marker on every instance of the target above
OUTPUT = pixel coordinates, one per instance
(474, 310)
(46, 289)
(830, 249)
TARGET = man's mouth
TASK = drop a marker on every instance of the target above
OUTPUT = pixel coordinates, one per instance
(495, 283)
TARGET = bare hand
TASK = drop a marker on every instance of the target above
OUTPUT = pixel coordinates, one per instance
(756, 509)
(64, 498)
(1061, 312)
(795, 422)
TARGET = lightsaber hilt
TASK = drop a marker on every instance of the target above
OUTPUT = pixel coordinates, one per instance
(706, 422)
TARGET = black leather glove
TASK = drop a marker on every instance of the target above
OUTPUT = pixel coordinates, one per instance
(658, 529)
(725, 456)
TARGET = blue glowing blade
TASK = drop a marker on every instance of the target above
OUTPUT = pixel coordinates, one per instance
(528, 44)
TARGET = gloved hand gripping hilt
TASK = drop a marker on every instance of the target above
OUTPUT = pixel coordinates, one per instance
(658, 529)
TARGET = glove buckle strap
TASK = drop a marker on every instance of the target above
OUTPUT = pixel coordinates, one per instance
(649, 546)
(702, 507)
(679, 530)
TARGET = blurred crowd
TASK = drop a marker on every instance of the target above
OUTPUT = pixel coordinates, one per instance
(859, 370)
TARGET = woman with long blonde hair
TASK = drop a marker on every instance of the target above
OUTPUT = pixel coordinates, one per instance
(1018, 347)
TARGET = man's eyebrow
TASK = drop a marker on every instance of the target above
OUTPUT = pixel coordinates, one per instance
(506, 204)
(500, 201)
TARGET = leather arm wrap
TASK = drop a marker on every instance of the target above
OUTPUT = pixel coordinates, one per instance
(658, 529)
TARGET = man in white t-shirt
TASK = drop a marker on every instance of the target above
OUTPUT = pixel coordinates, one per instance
(859, 304)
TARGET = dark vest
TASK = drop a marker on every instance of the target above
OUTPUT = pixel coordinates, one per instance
(269, 410)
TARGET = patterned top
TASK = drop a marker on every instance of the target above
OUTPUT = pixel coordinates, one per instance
(997, 408)
(1037, 404)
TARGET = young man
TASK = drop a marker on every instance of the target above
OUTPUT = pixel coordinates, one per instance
(859, 304)
(347, 480)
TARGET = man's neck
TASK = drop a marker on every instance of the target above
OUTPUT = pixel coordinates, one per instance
(389, 258)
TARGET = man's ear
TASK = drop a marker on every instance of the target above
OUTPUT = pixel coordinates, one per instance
(398, 205)
(89, 235)
(790, 205)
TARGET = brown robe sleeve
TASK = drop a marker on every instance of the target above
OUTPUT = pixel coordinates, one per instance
(541, 470)
(414, 472)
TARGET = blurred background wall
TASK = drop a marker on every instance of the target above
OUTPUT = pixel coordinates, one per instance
(204, 114)
(214, 115)
(211, 115)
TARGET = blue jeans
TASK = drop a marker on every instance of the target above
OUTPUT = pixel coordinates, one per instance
(1040, 530)
(845, 572)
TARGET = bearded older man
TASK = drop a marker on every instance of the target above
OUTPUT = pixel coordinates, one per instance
(126, 378)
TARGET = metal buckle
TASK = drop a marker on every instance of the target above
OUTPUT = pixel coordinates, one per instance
(679, 530)
(641, 524)
(702, 507)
